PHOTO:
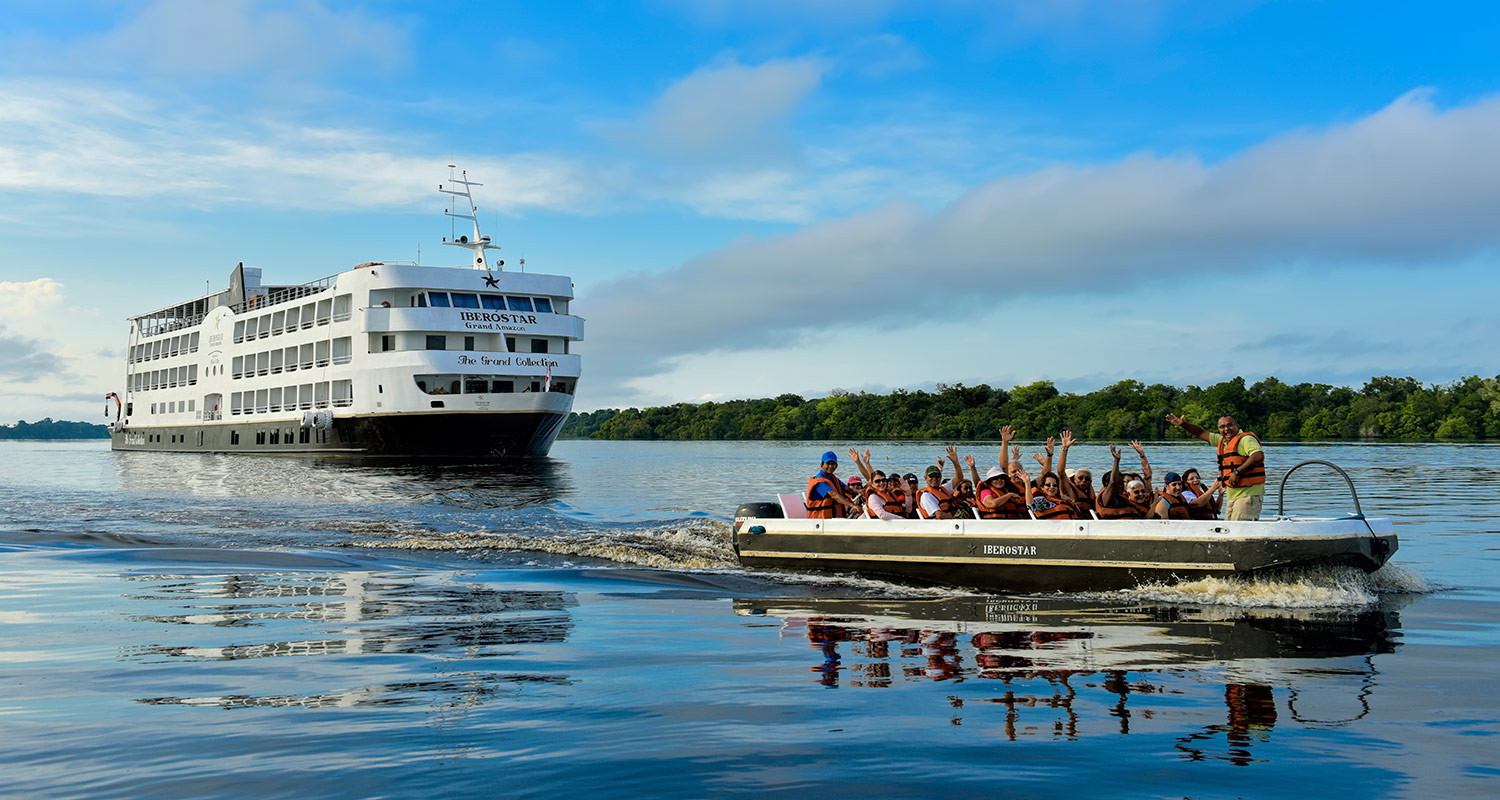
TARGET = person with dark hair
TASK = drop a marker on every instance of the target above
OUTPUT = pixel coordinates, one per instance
(1242, 465)
(1203, 501)
(825, 492)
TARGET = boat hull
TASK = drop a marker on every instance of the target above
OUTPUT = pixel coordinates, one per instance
(1066, 555)
(493, 434)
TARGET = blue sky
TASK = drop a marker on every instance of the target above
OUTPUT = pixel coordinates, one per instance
(775, 196)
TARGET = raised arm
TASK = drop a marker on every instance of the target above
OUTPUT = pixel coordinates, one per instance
(1109, 491)
(958, 470)
(1047, 464)
(864, 466)
(1062, 466)
(973, 474)
(1006, 434)
(1145, 465)
(1025, 480)
(1190, 428)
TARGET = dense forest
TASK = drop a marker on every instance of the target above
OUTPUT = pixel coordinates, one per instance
(1385, 408)
(53, 429)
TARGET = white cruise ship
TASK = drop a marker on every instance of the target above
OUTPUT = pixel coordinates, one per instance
(384, 358)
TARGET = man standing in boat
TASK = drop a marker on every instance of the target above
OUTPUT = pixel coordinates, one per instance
(825, 492)
(1242, 465)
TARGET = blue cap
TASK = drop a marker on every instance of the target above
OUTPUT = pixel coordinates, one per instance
(1171, 477)
(829, 456)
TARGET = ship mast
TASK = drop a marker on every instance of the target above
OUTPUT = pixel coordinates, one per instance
(478, 243)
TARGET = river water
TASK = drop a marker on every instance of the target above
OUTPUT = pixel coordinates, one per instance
(202, 626)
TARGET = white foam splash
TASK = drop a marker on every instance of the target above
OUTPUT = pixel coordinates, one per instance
(1316, 587)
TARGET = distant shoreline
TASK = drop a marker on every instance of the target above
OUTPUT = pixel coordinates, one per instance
(1386, 409)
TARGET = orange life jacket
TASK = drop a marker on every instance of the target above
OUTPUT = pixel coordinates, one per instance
(1201, 512)
(823, 507)
(1014, 508)
(945, 501)
(900, 495)
(1060, 509)
(1083, 504)
(1230, 460)
(1175, 510)
(1125, 509)
(894, 503)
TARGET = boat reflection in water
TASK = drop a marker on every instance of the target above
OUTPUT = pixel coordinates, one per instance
(1066, 669)
(387, 616)
(468, 484)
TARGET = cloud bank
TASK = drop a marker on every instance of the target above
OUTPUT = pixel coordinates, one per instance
(1409, 184)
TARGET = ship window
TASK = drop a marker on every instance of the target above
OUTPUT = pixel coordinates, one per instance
(453, 387)
(436, 404)
(288, 437)
(468, 343)
(260, 437)
(504, 387)
(192, 404)
(465, 300)
(303, 438)
(437, 342)
(536, 386)
(559, 387)
(543, 305)
(419, 300)
(510, 344)
(476, 386)
(518, 303)
(276, 436)
(538, 345)
(234, 437)
(153, 408)
(387, 343)
(493, 302)
(129, 409)
(438, 299)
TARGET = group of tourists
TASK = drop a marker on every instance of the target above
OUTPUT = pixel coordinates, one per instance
(1009, 491)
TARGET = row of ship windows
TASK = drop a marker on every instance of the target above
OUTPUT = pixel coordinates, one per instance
(323, 312)
(491, 302)
(164, 348)
(437, 341)
(308, 396)
(290, 359)
(488, 384)
(171, 378)
(307, 436)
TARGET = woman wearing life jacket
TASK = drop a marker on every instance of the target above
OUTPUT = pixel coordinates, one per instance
(1242, 465)
(1077, 488)
(937, 500)
(882, 502)
(857, 493)
(1203, 501)
(1049, 500)
(825, 492)
(994, 499)
(1121, 498)
(966, 500)
(1170, 504)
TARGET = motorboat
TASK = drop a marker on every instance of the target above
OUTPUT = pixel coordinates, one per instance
(1031, 555)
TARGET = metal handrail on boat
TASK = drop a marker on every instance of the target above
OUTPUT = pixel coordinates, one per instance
(1359, 513)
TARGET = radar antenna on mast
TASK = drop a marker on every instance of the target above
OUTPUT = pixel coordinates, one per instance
(479, 243)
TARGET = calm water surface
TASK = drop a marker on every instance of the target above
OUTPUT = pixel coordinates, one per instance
(199, 626)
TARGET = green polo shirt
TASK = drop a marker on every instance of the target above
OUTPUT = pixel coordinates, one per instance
(1248, 444)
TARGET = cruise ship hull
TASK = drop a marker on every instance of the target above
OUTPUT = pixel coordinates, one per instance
(489, 434)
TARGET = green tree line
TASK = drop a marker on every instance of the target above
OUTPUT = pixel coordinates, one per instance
(49, 428)
(1386, 408)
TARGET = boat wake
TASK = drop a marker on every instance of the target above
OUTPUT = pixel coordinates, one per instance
(1315, 587)
(691, 544)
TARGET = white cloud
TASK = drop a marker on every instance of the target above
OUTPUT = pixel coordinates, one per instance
(1409, 184)
(729, 110)
(29, 298)
(69, 138)
(194, 39)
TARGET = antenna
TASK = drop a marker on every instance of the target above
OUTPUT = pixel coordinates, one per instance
(480, 242)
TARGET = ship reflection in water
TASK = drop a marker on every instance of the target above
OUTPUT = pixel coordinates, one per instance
(1065, 670)
(380, 615)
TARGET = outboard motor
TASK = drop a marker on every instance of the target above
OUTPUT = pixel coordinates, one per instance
(762, 510)
(746, 510)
